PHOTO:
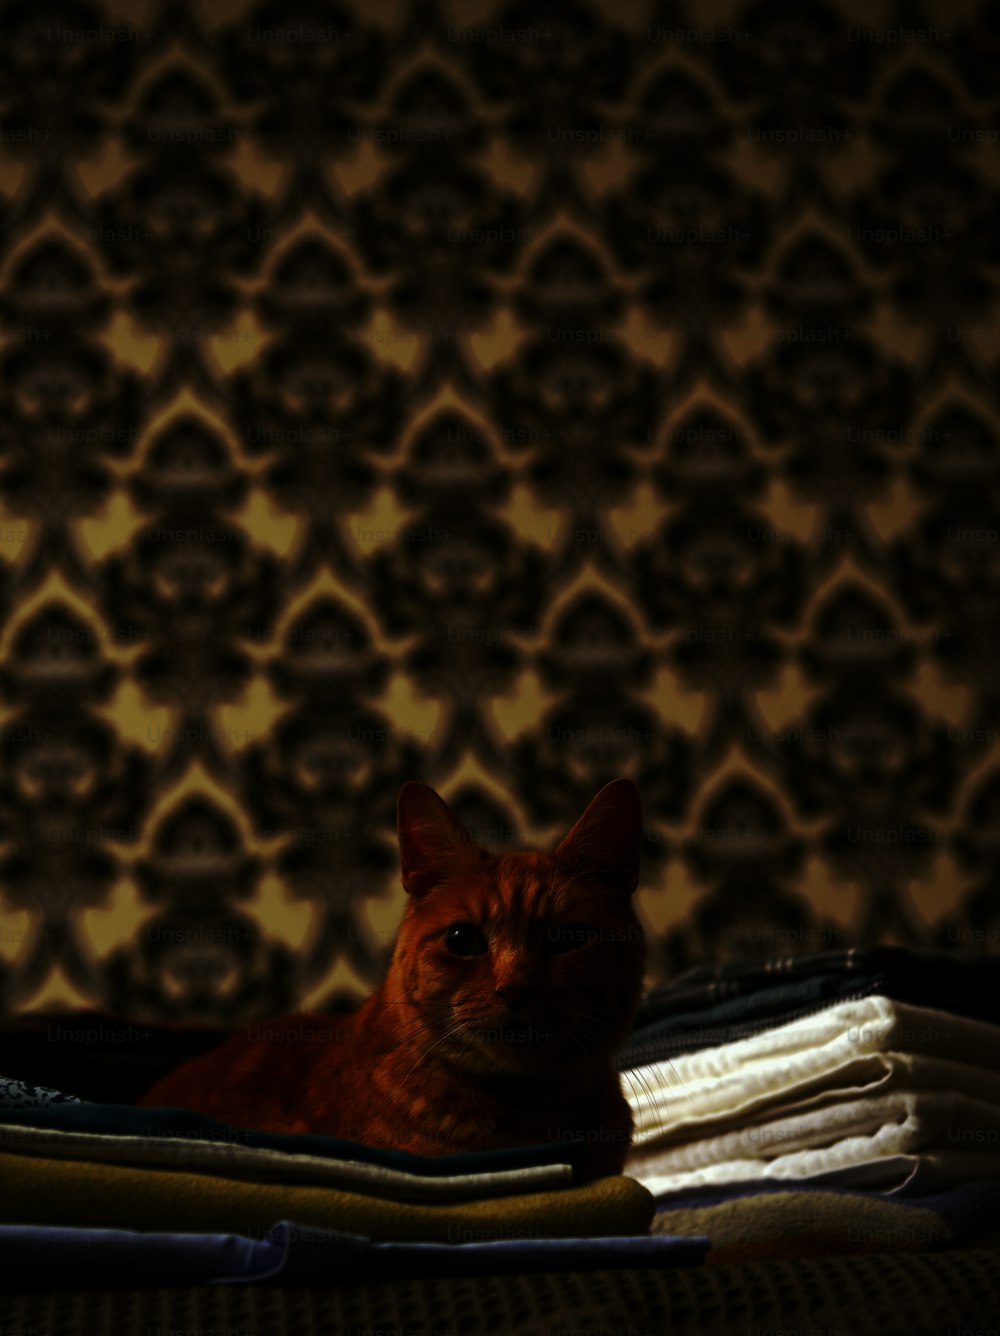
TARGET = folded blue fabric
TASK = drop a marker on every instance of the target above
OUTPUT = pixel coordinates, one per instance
(127, 1120)
(73, 1258)
(64, 1257)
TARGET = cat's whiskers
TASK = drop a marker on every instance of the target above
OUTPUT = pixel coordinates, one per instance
(454, 1029)
(677, 1074)
(428, 1019)
(633, 1077)
(579, 1042)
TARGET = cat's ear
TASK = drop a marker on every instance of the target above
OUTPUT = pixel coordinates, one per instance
(605, 841)
(430, 839)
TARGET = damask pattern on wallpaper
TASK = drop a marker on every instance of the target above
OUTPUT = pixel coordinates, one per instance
(511, 398)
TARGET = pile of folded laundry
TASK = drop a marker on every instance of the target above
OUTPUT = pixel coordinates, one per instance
(830, 1088)
(847, 1102)
(91, 1193)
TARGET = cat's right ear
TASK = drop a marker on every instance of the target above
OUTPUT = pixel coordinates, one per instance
(605, 842)
(430, 839)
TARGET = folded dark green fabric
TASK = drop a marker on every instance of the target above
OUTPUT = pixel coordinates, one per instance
(719, 1004)
(184, 1124)
(234, 1160)
(879, 1294)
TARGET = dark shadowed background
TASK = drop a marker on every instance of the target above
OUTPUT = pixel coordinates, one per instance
(511, 398)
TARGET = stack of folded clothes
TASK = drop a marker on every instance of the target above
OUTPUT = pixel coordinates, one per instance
(869, 1071)
(90, 1192)
(843, 1103)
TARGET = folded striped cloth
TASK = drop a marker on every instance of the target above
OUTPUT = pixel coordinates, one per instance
(730, 1000)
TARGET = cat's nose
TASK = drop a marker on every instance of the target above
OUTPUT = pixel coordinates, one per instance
(515, 995)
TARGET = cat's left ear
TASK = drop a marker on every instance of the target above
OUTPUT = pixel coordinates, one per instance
(605, 841)
(431, 841)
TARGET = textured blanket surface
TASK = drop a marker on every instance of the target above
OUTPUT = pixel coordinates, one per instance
(881, 1294)
(38, 1190)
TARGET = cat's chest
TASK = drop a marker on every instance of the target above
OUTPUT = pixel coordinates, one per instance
(601, 1119)
(374, 1091)
(444, 1113)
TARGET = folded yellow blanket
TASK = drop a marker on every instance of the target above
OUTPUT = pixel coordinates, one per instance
(37, 1190)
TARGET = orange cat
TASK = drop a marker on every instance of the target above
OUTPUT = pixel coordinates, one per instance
(514, 978)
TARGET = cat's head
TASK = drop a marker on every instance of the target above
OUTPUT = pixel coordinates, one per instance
(522, 962)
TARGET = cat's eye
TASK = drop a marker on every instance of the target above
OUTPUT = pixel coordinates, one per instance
(568, 936)
(464, 939)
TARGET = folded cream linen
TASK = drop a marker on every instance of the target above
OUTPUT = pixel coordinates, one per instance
(868, 1046)
(867, 1076)
(906, 1175)
(873, 1141)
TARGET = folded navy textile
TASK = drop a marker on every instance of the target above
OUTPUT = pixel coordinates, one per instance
(127, 1120)
(74, 1258)
(719, 1004)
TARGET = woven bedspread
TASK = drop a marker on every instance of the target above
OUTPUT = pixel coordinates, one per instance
(878, 1295)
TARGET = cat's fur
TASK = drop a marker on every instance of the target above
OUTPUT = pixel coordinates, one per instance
(439, 1059)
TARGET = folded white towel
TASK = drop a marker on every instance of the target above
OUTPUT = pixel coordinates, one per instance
(867, 1046)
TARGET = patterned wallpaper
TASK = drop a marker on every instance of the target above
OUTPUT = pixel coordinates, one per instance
(510, 398)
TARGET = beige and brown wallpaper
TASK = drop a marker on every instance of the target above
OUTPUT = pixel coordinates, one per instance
(510, 397)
